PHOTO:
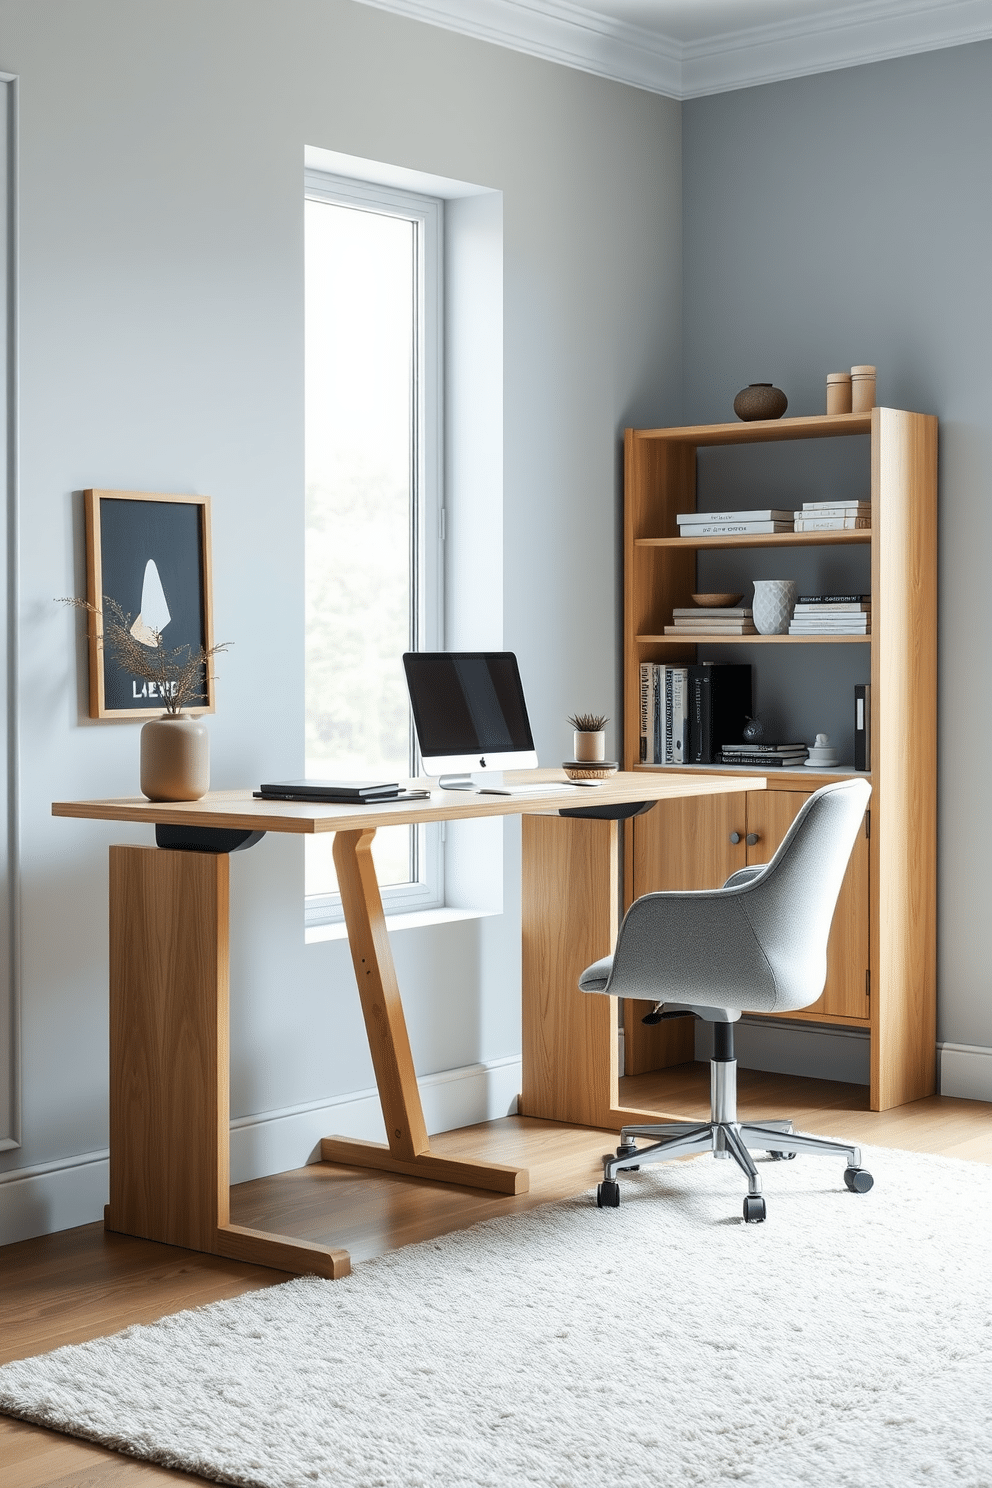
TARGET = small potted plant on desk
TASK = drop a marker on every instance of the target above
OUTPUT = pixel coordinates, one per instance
(589, 745)
(175, 749)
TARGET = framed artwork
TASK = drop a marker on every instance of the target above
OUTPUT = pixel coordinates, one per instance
(151, 554)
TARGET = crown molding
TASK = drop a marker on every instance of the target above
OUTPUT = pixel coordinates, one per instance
(558, 32)
(845, 36)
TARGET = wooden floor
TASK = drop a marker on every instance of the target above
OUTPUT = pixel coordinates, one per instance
(83, 1283)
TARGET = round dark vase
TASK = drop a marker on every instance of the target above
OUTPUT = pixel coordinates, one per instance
(760, 401)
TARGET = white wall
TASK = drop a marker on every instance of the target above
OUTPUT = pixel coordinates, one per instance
(161, 165)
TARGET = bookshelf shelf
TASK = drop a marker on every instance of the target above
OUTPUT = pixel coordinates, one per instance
(882, 953)
(760, 540)
(752, 640)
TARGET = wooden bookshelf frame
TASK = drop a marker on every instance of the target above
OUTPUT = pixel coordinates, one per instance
(660, 572)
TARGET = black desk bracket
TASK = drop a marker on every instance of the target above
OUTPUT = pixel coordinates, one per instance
(622, 811)
(206, 839)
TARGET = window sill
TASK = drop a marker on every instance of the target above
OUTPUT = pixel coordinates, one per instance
(415, 920)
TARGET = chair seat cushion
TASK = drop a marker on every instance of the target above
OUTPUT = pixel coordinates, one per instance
(596, 976)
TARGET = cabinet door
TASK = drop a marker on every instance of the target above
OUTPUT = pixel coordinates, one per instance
(680, 844)
(769, 816)
(685, 844)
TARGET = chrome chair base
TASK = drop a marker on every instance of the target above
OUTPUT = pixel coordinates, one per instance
(725, 1137)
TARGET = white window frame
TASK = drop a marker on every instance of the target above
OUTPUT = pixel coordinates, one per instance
(427, 564)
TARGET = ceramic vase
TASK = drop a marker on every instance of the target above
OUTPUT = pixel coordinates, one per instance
(590, 746)
(760, 401)
(773, 606)
(175, 758)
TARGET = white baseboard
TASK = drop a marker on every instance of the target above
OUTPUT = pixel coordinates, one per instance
(828, 1051)
(965, 1071)
(60, 1195)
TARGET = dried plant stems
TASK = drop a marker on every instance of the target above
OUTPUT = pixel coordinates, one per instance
(176, 675)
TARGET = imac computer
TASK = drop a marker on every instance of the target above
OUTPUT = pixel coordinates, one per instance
(471, 718)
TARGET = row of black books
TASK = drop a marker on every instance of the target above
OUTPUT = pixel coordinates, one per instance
(688, 711)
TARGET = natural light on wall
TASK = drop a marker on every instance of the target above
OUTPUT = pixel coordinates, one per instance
(361, 464)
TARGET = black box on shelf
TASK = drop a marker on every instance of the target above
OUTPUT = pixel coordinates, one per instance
(719, 707)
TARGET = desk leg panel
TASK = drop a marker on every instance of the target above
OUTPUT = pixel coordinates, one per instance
(169, 1101)
(570, 905)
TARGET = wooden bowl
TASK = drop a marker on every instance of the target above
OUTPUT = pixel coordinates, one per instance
(715, 601)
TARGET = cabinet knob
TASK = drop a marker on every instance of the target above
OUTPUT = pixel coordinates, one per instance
(735, 837)
(752, 839)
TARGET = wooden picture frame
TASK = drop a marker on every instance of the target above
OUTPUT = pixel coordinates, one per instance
(148, 552)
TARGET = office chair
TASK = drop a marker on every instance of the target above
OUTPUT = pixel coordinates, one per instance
(759, 944)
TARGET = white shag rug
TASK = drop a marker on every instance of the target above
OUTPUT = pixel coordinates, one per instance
(845, 1343)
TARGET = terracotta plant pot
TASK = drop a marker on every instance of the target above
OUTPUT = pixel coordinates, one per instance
(175, 758)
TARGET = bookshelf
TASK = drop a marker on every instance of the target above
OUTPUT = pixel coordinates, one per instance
(882, 955)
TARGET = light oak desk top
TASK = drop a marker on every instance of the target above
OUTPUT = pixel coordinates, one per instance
(169, 1003)
(238, 809)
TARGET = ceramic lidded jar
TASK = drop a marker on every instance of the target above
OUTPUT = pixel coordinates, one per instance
(175, 758)
(838, 392)
(760, 401)
(773, 605)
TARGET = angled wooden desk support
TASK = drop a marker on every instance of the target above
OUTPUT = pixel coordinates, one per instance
(409, 1148)
(169, 1002)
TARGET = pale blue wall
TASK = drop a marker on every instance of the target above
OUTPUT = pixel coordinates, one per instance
(847, 218)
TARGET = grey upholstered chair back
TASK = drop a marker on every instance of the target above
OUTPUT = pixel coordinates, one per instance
(760, 943)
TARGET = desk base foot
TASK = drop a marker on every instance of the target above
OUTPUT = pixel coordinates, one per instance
(283, 1253)
(258, 1248)
(494, 1177)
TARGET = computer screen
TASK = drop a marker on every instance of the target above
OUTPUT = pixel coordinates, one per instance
(469, 711)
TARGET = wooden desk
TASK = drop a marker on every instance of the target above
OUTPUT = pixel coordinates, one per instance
(169, 1018)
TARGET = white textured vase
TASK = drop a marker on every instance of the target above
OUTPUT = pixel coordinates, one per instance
(175, 758)
(774, 605)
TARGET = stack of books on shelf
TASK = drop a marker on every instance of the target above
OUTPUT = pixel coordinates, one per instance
(733, 523)
(833, 516)
(832, 614)
(764, 756)
(686, 710)
(721, 620)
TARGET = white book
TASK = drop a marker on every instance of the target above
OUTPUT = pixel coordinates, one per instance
(836, 511)
(740, 627)
(680, 715)
(723, 529)
(815, 506)
(832, 524)
(795, 629)
(708, 612)
(850, 607)
(647, 713)
(771, 514)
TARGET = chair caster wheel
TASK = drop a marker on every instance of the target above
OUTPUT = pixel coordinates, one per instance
(754, 1209)
(628, 1149)
(858, 1180)
(781, 1156)
(608, 1195)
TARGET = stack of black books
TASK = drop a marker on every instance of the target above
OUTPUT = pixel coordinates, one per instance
(764, 756)
(353, 792)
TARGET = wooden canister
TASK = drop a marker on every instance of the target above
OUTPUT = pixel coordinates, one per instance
(862, 389)
(838, 392)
